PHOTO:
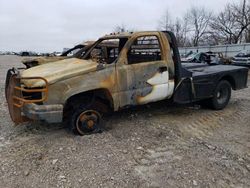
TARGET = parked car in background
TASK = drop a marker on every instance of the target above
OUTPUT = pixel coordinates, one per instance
(203, 57)
(47, 58)
(8, 53)
(211, 58)
(242, 59)
(28, 53)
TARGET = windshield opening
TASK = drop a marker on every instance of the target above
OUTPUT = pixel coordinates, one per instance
(105, 50)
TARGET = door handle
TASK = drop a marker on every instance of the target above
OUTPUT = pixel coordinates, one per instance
(162, 69)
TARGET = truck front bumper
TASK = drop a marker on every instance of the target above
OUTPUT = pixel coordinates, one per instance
(49, 113)
(23, 106)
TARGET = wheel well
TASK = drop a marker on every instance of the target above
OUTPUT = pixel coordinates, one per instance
(98, 97)
(230, 79)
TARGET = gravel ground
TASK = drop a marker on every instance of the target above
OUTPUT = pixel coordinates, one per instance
(156, 145)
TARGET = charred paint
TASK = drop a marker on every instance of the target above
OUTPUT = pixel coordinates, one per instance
(31, 62)
(126, 84)
(159, 83)
(57, 71)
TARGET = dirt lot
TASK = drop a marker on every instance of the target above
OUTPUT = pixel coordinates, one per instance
(156, 145)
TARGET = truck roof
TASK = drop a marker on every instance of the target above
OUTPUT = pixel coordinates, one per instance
(126, 34)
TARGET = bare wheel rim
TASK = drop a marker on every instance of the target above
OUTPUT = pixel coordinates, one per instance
(88, 121)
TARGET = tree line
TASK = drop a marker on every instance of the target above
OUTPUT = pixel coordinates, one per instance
(200, 26)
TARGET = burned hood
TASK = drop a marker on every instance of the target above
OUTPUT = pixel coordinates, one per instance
(31, 62)
(57, 71)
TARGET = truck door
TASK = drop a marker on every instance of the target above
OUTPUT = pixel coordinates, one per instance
(150, 66)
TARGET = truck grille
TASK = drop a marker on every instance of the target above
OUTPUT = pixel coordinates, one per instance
(17, 95)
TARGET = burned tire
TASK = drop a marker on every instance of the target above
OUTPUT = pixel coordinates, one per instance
(221, 96)
(86, 120)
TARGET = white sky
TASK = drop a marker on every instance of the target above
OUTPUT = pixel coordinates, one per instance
(50, 25)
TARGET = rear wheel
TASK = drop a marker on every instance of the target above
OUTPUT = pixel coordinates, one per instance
(221, 96)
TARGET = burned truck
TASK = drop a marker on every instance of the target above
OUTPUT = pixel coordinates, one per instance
(117, 71)
(31, 62)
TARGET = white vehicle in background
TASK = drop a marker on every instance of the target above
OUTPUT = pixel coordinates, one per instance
(57, 53)
(242, 59)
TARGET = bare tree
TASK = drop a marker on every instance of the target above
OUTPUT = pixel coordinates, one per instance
(198, 20)
(165, 23)
(200, 27)
(120, 28)
(179, 27)
(224, 25)
(123, 28)
(230, 25)
(242, 15)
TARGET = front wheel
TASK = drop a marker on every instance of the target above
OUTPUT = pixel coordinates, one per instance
(86, 120)
(221, 96)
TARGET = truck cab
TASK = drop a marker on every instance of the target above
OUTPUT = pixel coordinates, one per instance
(116, 72)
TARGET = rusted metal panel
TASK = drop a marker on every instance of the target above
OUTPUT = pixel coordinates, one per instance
(134, 79)
(56, 71)
(31, 62)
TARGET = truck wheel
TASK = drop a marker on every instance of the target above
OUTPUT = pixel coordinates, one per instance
(222, 95)
(86, 120)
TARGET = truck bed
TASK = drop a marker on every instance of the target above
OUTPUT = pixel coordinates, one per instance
(206, 77)
(203, 71)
